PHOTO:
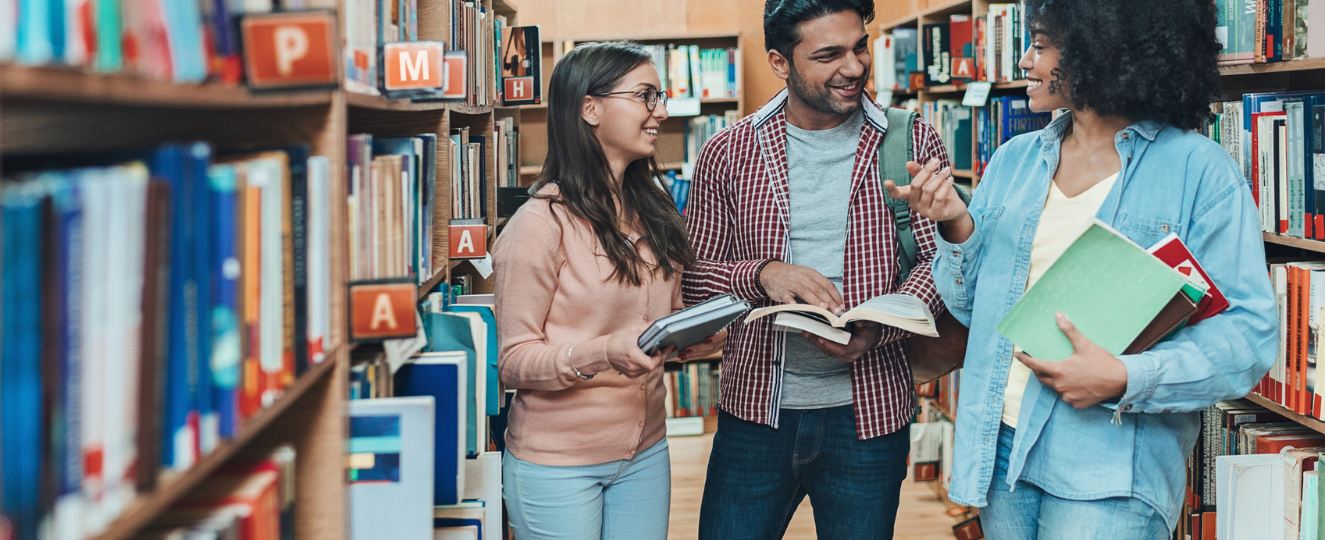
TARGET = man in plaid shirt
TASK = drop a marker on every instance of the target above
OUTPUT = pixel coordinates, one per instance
(787, 204)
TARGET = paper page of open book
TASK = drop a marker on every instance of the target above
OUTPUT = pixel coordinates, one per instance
(900, 310)
(790, 321)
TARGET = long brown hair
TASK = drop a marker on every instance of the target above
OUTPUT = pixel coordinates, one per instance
(577, 164)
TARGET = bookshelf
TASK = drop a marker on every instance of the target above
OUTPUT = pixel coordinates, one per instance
(671, 135)
(53, 111)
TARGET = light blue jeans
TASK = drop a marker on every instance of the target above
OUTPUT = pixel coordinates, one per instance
(619, 499)
(1029, 513)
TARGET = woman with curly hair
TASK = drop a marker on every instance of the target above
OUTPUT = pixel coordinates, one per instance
(1034, 446)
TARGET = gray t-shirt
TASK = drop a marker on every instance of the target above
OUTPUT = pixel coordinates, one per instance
(819, 180)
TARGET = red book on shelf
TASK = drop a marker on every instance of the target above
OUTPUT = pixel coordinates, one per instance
(1174, 253)
(1273, 444)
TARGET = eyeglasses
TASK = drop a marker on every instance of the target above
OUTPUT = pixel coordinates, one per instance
(651, 96)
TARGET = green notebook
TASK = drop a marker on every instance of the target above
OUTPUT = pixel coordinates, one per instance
(1108, 286)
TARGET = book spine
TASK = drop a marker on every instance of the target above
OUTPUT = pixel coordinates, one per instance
(299, 250)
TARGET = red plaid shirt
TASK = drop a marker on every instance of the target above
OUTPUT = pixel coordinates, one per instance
(737, 218)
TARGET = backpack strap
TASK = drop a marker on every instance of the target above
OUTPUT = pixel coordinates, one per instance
(897, 149)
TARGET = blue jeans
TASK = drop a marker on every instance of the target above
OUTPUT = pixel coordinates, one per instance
(619, 499)
(757, 475)
(1028, 512)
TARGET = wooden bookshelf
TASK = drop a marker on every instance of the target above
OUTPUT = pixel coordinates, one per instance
(171, 487)
(1317, 246)
(60, 84)
(58, 110)
(1309, 421)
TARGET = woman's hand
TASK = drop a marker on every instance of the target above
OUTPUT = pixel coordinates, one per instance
(710, 346)
(624, 354)
(932, 195)
(931, 192)
(1089, 376)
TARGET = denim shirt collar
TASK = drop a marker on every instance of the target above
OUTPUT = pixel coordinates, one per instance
(1052, 135)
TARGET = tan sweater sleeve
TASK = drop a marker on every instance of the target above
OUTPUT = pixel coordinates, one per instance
(526, 260)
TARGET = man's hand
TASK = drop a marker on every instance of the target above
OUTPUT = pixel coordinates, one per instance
(785, 282)
(1089, 376)
(863, 337)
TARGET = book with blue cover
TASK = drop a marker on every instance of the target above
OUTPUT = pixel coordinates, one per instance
(492, 402)
(226, 357)
(20, 379)
(178, 438)
(453, 332)
(442, 376)
(188, 60)
(390, 466)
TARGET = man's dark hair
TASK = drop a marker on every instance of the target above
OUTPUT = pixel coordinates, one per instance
(782, 16)
(1139, 59)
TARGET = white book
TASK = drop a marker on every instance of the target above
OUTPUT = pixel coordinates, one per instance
(483, 482)
(946, 450)
(319, 257)
(885, 70)
(95, 193)
(1250, 494)
(8, 29)
(390, 462)
(128, 230)
(1280, 274)
(267, 174)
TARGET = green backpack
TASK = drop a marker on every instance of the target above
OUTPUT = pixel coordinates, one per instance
(895, 151)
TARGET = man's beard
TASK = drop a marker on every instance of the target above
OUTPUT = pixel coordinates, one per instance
(820, 98)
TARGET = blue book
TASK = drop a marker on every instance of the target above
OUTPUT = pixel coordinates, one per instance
(204, 273)
(491, 396)
(451, 332)
(20, 377)
(226, 357)
(181, 380)
(441, 376)
(390, 468)
(188, 60)
(69, 470)
(34, 32)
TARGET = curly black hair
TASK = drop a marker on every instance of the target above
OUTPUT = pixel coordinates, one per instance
(1140, 59)
(781, 18)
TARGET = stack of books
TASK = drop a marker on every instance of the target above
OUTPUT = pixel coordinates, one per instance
(688, 71)
(392, 207)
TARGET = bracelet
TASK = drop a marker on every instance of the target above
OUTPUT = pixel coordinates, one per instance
(572, 365)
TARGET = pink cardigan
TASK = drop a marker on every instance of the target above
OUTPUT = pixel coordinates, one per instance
(553, 292)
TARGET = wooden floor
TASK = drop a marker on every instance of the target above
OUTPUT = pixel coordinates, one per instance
(921, 515)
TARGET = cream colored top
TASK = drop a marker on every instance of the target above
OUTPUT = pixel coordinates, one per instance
(556, 304)
(1062, 217)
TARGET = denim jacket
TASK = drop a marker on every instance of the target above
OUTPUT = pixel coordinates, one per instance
(1171, 180)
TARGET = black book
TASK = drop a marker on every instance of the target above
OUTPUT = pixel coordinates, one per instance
(935, 45)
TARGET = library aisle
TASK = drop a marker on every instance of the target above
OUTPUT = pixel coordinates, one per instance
(920, 516)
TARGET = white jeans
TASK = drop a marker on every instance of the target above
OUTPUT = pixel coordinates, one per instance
(626, 499)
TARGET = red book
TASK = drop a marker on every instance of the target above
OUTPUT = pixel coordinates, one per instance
(962, 47)
(1174, 253)
(1273, 444)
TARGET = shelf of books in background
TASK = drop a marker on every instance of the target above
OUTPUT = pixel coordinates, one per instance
(924, 62)
(170, 296)
(692, 397)
(425, 166)
(703, 81)
(164, 303)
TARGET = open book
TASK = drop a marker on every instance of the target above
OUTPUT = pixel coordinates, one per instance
(899, 310)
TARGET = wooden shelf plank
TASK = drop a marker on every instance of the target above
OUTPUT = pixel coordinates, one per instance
(71, 85)
(651, 37)
(469, 109)
(947, 8)
(432, 282)
(963, 173)
(1274, 67)
(1309, 245)
(1305, 420)
(169, 490)
(957, 88)
(379, 103)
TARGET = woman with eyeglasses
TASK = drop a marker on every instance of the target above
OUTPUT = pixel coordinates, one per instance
(582, 270)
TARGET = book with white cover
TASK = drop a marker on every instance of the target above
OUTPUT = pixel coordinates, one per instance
(898, 310)
(390, 462)
(1250, 496)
